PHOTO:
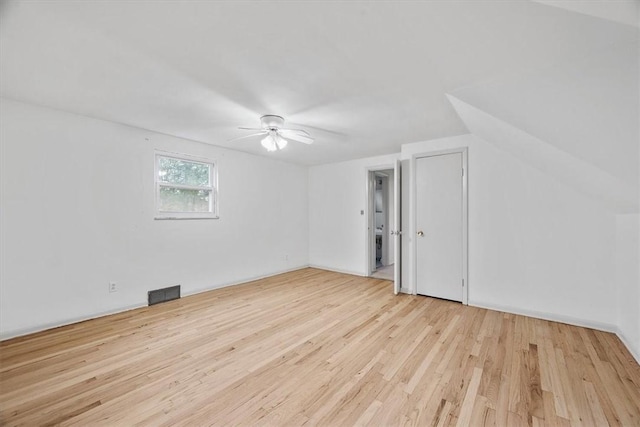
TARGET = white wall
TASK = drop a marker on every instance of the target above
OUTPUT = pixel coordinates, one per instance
(77, 212)
(579, 156)
(337, 230)
(535, 246)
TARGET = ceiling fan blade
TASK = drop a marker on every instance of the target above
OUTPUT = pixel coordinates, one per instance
(250, 128)
(317, 129)
(247, 136)
(288, 131)
(297, 137)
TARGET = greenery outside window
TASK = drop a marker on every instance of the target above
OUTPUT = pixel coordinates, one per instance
(186, 187)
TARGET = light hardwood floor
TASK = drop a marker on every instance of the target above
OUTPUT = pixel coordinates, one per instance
(317, 348)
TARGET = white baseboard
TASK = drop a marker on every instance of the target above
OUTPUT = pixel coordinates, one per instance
(586, 323)
(635, 352)
(39, 328)
(496, 307)
(43, 327)
(337, 270)
(242, 281)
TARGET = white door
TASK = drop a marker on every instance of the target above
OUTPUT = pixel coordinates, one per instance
(439, 220)
(396, 232)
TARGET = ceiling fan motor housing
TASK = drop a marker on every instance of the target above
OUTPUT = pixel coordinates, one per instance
(271, 122)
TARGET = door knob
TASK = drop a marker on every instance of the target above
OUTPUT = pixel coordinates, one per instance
(420, 233)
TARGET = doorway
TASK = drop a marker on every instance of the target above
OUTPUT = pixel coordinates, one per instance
(381, 206)
(440, 248)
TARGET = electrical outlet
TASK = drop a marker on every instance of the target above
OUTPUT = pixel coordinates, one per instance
(113, 287)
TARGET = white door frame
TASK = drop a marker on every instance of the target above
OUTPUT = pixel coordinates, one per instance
(465, 218)
(397, 226)
(369, 211)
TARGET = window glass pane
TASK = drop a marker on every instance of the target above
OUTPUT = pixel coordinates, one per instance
(181, 200)
(177, 171)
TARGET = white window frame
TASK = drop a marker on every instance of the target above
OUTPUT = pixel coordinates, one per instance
(213, 187)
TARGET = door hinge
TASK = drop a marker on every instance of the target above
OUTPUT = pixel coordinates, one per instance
(463, 283)
(462, 171)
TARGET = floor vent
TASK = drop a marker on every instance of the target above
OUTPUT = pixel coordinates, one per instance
(165, 294)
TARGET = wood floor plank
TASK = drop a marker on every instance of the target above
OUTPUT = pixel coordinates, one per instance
(313, 347)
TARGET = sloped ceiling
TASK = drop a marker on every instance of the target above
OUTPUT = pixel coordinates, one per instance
(612, 193)
(362, 77)
(576, 119)
(624, 12)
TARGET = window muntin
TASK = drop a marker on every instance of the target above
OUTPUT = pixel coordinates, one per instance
(185, 187)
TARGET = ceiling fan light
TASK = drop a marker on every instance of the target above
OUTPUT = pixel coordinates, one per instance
(280, 142)
(269, 143)
(272, 126)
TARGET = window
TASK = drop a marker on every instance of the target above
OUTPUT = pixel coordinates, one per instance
(186, 187)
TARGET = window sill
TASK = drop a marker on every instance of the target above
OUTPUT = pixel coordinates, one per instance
(162, 218)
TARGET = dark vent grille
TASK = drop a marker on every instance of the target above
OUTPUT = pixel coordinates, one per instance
(163, 295)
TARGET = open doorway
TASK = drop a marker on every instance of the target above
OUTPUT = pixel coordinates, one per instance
(381, 222)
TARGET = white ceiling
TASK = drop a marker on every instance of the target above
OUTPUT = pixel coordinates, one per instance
(361, 77)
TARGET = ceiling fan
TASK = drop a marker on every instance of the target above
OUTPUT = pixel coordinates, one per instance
(273, 127)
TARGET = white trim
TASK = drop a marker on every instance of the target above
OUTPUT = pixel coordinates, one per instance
(465, 225)
(627, 343)
(242, 281)
(569, 320)
(585, 323)
(397, 226)
(212, 187)
(52, 325)
(337, 270)
(465, 217)
(26, 331)
(184, 187)
(505, 309)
